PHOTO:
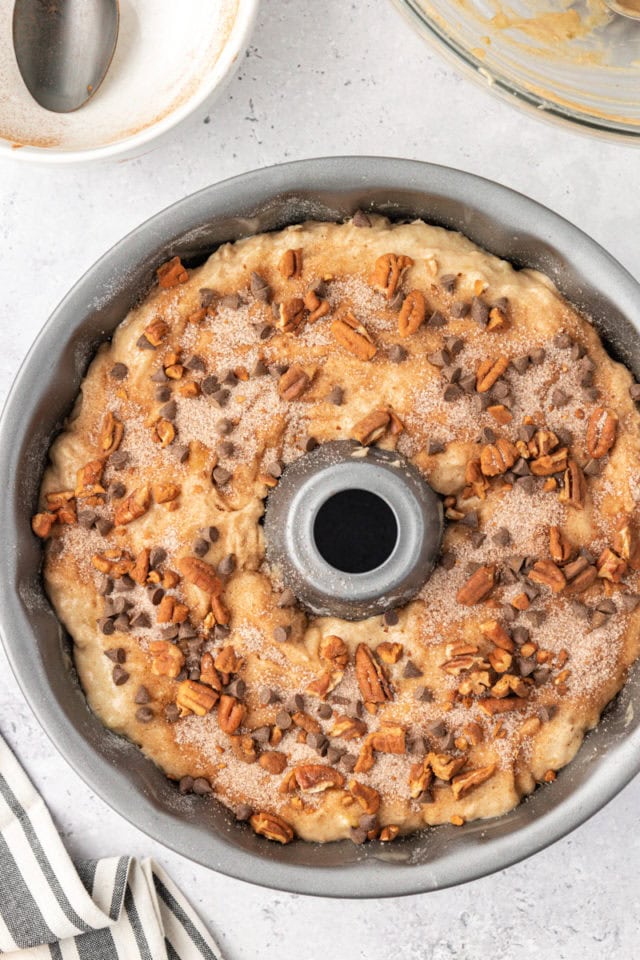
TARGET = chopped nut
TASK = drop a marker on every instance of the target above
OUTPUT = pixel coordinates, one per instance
(290, 314)
(496, 458)
(370, 674)
(291, 264)
(271, 826)
(196, 697)
(420, 777)
(390, 832)
(348, 728)
(493, 705)
(550, 463)
(601, 432)
(273, 762)
(165, 432)
(134, 507)
(335, 650)
(372, 427)
(389, 652)
(559, 547)
(388, 271)
(478, 586)
(445, 766)
(489, 371)
(353, 336)
(495, 632)
(231, 713)
(610, 566)
(165, 492)
(201, 574)
(293, 383)
(464, 782)
(548, 574)
(111, 434)
(42, 523)
(168, 659)
(390, 738)
(367, 797)
(574, 490)
(317, 308)
(172, 273)
(155, 332)
(412, 313)
(316, 777)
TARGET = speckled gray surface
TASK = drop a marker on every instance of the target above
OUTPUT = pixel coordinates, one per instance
(353, 79)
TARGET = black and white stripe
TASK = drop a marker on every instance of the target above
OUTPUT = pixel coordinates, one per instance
(117, 908)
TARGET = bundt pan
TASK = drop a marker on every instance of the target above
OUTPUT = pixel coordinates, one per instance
(505, 223)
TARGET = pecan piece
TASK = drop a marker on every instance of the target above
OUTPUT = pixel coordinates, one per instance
(353, 336)
(290, 314)
(41, 524)
(335, 650)
(316, 777)
(371, 428)
(348, 728)
(171, 273)
(134, 507)
(496, 458)
(196, 697)
(559, 547)
(626, 543)
(371, 676)
(389, 652)
(168, 660)
(388, 271)
(155, 332)
(412, 313)
(89, 477)
(201, 574)
(273, 762)
(325, 683)
(478, 586)
(271, 826)
(165, 492)
(317, 308)
(291, 263)
(574, 490)
(244, 748)
(550, 463)
(444, 766)
(489, 371)
(477, 484)
(420, 777)
(495, 632)
(493, 705)
(390, 738)
(542, 443)
(367, 797)
(293, 383)
(366, 759)
(231, 713)
(208, 672)
(464, 782)
(140, 570)
(111, 434)
(601, 432)
(165, 432)
(548, 574)
(610, 566)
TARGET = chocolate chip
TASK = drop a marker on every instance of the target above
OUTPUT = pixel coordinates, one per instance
(310, 444)
(501, 390)
(434, 446)
(470, 519)
(170, 632)
(478, 538)
(521, 364)
(537, 356)
(629, 602)
(267, 696)
(440, 358)
(452, 393)
(243, 812)
(283, 720)
(501, 537)
(144, 714)
(159, 376)
(143, 344)
(195, 363)
(155, 594)
(468, 382)
(209, 385)
(119, 675)
(509, 613)
(541, 675)
(207, 297)
(521, 468)
(416, 745)
(324, 711)
(295, 703)
(360, 219)
(221, 631)
(390, 618)
(259, 287)
(171, 712)
(348, 761)
(261, 734)
(281, 634)
(368, 821)
(106, 626)
(526, 432)
(437, 320)
(593, 468)
(201, 786)
(185, 785)
(606, 606)
(479, 311)
(520, 635)
(86, 518)
(237, 688)
(488, 435)
(559, 398)
(287, 598)
(452, 374)
(334, 754)
(125, 584)
(230, 301)
(119, 371)
(200, 547)
(562, 340)
(221, 397)
(437, 728)
(411, 671)
(169, 410)
(634, 392)
(116, 654)
(598, 619)
(397, 354)
(528, 484)
(459, 309)
(180, 452)
(121, 623)
(358, 835)
(221, 476)
(448, 282)
(483, 401)
(260, 369)
(526, 666)
(448, 560)
(117, 491)
(226, 448)
(354, 708)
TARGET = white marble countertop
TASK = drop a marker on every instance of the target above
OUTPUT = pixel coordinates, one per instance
(319, 79)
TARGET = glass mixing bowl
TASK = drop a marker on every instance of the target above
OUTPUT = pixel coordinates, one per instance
(574, 60)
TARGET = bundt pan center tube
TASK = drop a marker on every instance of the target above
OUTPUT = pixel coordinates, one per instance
(503, 222)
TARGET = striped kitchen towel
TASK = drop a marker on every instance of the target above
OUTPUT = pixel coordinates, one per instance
(118, 908)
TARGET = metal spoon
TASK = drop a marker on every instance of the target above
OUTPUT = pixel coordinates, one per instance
(64, 48)
(626, 8)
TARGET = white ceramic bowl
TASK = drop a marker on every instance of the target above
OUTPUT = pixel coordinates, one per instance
(170, 58)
